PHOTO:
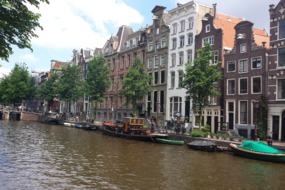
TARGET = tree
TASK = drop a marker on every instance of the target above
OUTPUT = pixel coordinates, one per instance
(48, 89)
(17, 25)
(17, 86)
(69, 86)
(97, 80)
(201, 79)
(136, 84)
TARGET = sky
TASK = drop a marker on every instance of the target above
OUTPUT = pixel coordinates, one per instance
(87, 24)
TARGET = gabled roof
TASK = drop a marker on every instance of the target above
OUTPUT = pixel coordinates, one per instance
(227, 24)
(260, 37)
(57, 65)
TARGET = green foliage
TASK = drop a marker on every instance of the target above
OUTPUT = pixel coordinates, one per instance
(200, 80)
(136, 84)
(262, 115)
(69, 86)
(48, 89)
(17, 86)
(17, 25)
(206, 128)
(97, 80)
(198, 133)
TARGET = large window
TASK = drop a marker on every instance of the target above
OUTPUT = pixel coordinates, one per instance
(231, 86)
(209, 40)
(243, 86)
(231, 66)
(163, 42)
(182, 39)
(243, 112)
(281, 29)
(175, 106)
(256, 62)
(281, 89)
(162, 77)
(150, 64)
(181, 58)
(156, 77)
(256, 85)
(190, 39)
(172, 82)
(150, 46)
(189, 56)
(190, 23)
(243, 66)
(157, 45)
(156, 61)
(180, 79)
(162, 59)
(281, 57)
(174, 43)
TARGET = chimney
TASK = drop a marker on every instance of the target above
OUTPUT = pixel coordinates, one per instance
(215, 9)
(271, 7)
(263, 44)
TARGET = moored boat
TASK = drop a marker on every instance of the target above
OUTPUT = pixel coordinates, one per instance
(169, 141)
(131, 128)
(203, 145)
(258, 151)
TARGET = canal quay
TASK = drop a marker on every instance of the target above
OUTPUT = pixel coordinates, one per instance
(34, 155)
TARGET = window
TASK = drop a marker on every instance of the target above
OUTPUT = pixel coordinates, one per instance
(173, 59)
(157, 44)
(213, 100)
(190, 23)
(256, 85)
(122, 62)
(281, 89)
(150, 64)
(156, 61)
(128, 61)
(256, 62)
(174, 28)
(231, 86)
(174, 43)
(150, 46)
(231, 66)
(113, 64)
(182, 41)
(161, 101)
(150, 76)
(175, 105)
(243, 86)
(162, 59)
(243, 66)
(190, 38)
(181, 58)
(162, 77)
(131, 43)
(281, 29)
(155, 77)
(189, 56)
(243, 112)
(182, 25)
(163, 42)
(180, 78)
(208, 27)
(243, 48)
(216, 57)
(157, 31)
(172, 83)
(281, 57)
(209, 40)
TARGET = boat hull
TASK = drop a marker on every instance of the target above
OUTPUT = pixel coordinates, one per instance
(257, 155)
(169, 141)
(203, 145)
(146, 137)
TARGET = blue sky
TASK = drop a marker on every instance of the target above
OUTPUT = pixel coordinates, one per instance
(76, 24)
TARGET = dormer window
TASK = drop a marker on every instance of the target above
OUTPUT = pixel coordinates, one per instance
(208, 28)
(243, 48)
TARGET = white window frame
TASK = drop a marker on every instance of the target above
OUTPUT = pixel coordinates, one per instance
(172, 79)
(231, 62)
(208, 28)
(173, 59)
(234, 87)
(182, 25)
(174, 28)
(246, 112)
(243, 66)
(255, 59)
(239, 89)
(190, 22)
(280, 95)
(243, 48)
(181, 58)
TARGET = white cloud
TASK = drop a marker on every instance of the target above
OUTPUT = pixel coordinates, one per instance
(29, 57)
(82, 23)
(4, 71)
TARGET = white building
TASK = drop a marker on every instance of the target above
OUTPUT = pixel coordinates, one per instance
(185, 23)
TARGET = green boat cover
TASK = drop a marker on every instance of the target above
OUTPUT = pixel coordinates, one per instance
(259, 147)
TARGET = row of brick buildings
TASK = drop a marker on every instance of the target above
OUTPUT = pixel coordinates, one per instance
(252, 63)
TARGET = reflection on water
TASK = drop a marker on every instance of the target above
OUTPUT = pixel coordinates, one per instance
(38, 156)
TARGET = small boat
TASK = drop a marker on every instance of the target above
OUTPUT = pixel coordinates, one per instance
(259, 151)
(131, 128)
(169, 141)
(68, 124)
(203, 145)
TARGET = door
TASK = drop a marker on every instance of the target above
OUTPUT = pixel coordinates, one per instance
(283, 127)
(275, 127)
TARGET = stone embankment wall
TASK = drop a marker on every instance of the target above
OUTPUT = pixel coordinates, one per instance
(29, 116)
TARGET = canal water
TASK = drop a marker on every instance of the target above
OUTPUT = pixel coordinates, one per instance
(39, 156)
